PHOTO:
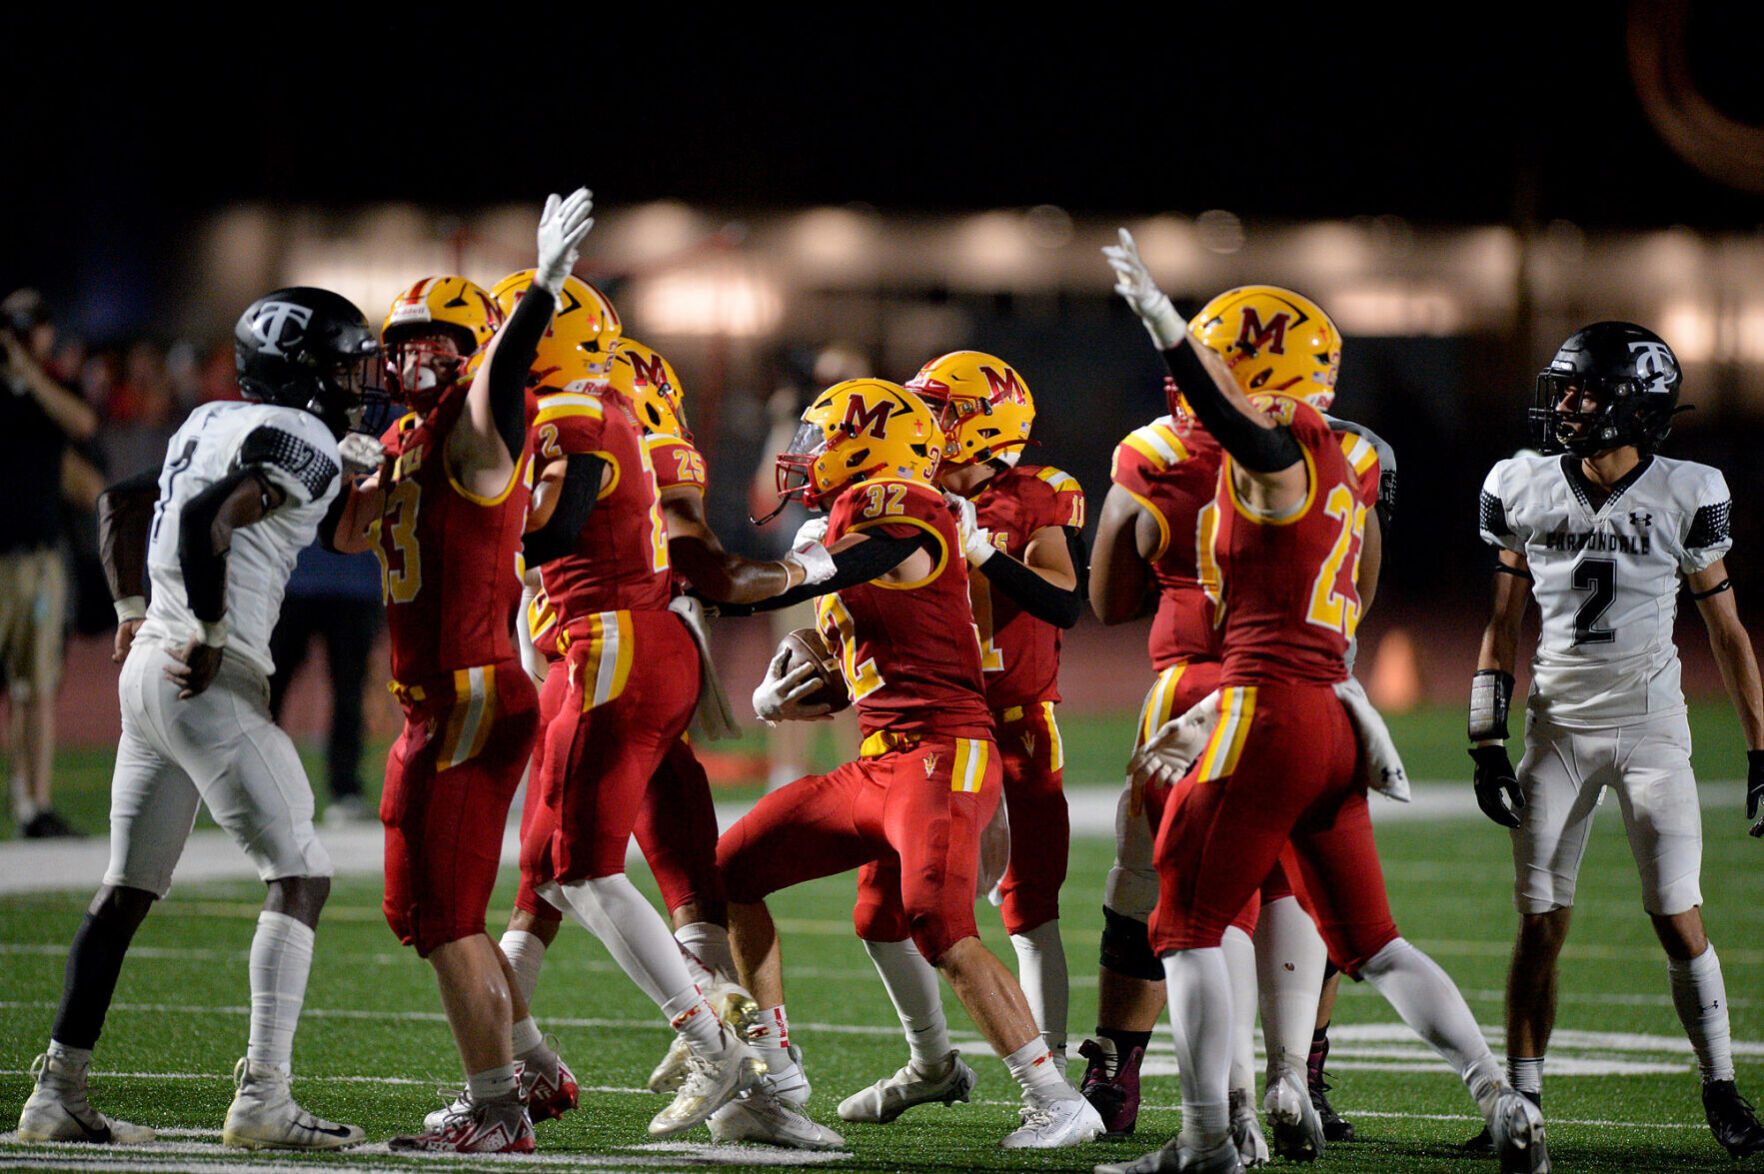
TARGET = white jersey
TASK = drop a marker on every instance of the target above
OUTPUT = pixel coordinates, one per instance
(1606, 580)
(296, 453)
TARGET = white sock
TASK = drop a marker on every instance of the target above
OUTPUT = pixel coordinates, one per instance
(1240, 964)
(24, 808)
(494, 1084)
(1290, 961)
(771, 1037)
(80, 1058)
(1700, 996)
(911, 983)
(524, 1036)
(526, 954)
(1526, 1074)
(281, 959)
(1041, 967)
(633, 933)
(693, 1018)
(1429, 1002)
(1200, 1000)
(706, 946)
(1032, 1066)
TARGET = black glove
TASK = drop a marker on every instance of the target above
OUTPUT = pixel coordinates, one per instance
(1497, 789)
(1755, 790)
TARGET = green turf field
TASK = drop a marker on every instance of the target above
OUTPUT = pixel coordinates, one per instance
(1620, 1085)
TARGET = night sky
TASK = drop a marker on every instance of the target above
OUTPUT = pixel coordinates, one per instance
(122, 130)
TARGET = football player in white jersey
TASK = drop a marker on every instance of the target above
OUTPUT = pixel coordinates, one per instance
(1602, 532)
(197, 562)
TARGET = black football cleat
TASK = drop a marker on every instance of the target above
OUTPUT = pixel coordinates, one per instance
(1732, 1119)
(1335, 1126)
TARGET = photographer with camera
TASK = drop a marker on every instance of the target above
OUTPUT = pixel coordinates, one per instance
(38, 419)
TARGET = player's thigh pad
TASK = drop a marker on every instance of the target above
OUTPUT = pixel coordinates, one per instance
(1658, 795)
(244, 766)
(1561, 775)
(1041, 831)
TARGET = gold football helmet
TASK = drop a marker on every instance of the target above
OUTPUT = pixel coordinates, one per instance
(462, 309)
(579, 342)
(859, 430)
(982, 405)
(648, 381)
(1274, 341)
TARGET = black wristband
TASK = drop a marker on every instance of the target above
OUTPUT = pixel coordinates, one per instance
(1724, 585)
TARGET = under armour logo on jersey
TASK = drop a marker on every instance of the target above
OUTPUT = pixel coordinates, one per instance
(280, 327)
(1640, 518)
(1653, 363)
(930, 765)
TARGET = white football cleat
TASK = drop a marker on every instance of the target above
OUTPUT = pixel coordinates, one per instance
(757, 1115)
(1293, 1119)
(57, 1109)
(711, 1082)
(1175, 1159)
(263, 1115)
(733, 1006)
(1517, 1127)
(1065, 1122)
(547, 1084)
(670, 1074)
(1246, 1131)
(887, 1099)
(494, 1127)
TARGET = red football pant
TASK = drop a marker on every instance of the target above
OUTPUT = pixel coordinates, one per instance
(1041, 831)
(1279, 769)
(449, 780)
(913, 814)
(630, 684)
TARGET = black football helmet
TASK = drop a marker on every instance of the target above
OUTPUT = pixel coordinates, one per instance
(310, 349)
(1632, 375)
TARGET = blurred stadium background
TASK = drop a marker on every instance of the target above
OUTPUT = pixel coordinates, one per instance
(1459, 203)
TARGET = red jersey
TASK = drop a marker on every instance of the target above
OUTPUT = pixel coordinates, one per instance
(1172, 470)
(1019, 654)
(676, 463)
(620, 558)
(1289, 593)
(909, 651)
(450, 561)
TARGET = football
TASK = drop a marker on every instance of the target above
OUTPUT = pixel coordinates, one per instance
(806, 644)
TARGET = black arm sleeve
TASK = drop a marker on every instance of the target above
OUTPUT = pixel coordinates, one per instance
(1036, 595)
(1258, 449)
(876, 555)
(327, 527)
(577, 494)
(204, 567)
(514, 357)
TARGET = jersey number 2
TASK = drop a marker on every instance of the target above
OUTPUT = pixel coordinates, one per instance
(1598, 578)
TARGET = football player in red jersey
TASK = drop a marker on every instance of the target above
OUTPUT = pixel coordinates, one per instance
(929, 776)
(1020, 528)
(445, 514)
(675, 822)
(1277, 779)
(631, 687)
(1155, 534)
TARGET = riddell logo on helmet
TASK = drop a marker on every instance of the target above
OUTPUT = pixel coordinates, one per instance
(861, 417)
(279, 325)
(1253, 337)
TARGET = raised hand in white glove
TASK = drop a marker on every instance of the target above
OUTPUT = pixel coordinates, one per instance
(562, 226)
(1133, 281)
(779, 696)
(807, 552)
(976, 539)
(361, 453)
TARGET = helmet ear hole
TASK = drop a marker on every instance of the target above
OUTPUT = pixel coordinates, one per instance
(857, 458)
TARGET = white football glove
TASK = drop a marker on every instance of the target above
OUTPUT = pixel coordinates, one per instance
(562, 226)
(1133, 281)
(812, 531)
(976, 539)
(779, 696)
(361, 453)
(816, 563)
